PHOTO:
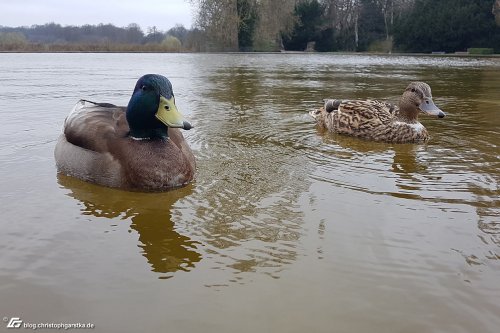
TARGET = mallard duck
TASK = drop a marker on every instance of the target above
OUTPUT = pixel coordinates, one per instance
(138, 147)
(380, 121)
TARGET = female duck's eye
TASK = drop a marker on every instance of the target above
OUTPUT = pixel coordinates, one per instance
(412, 89)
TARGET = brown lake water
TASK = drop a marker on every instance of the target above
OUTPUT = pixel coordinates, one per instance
(286, 229)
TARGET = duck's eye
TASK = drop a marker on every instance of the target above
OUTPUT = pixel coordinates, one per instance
(144, 87)
(167, 107)
(412, 89)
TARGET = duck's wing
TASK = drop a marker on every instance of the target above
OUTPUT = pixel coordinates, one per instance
(92, 125)
(363, 115)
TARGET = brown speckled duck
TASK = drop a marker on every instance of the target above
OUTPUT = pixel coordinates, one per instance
(138, 147)
(380, 121)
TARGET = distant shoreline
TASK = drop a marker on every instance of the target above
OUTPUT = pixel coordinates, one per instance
(395, 54)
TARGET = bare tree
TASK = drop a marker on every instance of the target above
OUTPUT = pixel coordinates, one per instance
(219, 19)
(496, 11)
(275, 17)
(387, 9)
(390, 9)
(343, 16)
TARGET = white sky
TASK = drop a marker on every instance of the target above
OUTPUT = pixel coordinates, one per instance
(164, 14)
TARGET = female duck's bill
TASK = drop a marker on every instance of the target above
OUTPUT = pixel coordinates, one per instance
(428, 107)
(423, 92)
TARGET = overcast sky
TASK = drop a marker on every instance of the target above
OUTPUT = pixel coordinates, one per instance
(163, 14)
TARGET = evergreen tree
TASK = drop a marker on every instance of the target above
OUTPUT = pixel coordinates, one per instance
(371, 25)
(307, 28)
(447, 25)
(248, 16)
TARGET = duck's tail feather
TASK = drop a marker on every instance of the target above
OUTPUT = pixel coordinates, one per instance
(332, 104)
(104, 105)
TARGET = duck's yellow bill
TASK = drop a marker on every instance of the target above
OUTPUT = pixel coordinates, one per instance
(169, 115)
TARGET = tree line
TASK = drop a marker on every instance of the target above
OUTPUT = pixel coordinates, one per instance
(349, 25)
(293, 25)
(102, 37)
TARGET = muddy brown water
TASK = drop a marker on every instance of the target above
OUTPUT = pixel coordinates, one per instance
(286, 229)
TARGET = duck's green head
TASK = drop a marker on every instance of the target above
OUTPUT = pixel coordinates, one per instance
(151, 109)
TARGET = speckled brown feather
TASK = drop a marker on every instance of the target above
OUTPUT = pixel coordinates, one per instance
(370, 120)
(95, 147)
(375, 120)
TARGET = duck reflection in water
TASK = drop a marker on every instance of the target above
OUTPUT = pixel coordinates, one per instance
(405, 155)
(406, 161)
(166, 250)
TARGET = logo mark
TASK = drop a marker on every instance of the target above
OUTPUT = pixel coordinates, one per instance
(14, 322)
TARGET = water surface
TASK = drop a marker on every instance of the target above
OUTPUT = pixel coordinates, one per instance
(286, 229)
